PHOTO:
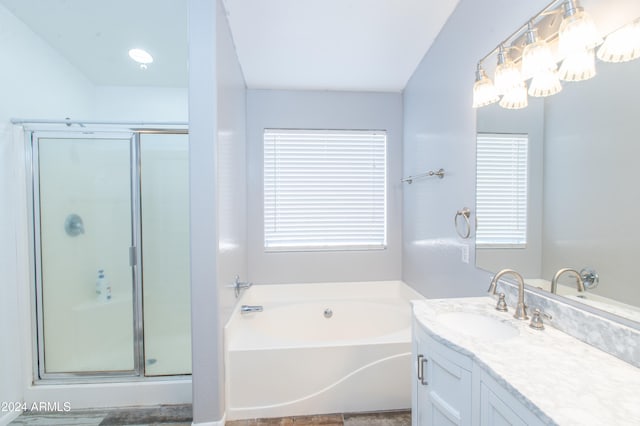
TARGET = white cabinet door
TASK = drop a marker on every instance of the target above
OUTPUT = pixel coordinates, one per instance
(419, 392)
(442, 383)
(499, 408)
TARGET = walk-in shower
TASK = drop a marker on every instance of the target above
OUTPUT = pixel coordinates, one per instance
(110, 252)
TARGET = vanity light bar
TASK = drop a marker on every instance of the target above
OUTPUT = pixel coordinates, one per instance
(527, 50)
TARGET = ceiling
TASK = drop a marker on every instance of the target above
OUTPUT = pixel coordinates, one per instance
(370, 45)
(360, 45)
(96, 35)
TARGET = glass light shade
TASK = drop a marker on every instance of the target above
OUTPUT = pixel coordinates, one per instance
(578, 66)
(537, 57)
(577, 33)
(507, 76)
(622, 45)
(545, 84)
(515, 98)
(484, 92)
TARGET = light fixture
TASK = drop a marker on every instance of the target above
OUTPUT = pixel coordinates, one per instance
(543, 42)
(578, 66)
(141, 56)
(507, 75)
(484, 92)
(515, 97)
(577, 31)
(537, 57)
(621, 45)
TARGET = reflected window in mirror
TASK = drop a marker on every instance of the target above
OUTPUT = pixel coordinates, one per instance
(501, 199)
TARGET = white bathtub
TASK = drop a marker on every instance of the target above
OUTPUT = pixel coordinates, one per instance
(292, 360)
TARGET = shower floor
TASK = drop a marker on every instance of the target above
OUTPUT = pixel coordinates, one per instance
(180, 415)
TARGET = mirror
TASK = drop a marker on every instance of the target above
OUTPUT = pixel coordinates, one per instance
(583, 196)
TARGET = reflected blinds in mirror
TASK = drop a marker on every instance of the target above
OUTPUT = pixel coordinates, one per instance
(501, 190)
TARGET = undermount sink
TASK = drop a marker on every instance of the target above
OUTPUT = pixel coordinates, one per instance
(478, 325)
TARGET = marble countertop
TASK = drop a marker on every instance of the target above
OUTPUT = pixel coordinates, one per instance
(560, 378)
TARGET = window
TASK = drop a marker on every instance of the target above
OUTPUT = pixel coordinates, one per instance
(324, 190)
(501, 198)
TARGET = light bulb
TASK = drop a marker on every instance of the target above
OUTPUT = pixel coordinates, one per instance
(515, 98)
(622, 45)
(578, 66)
(545, 84)
(140, 56)
(536, 56)
(484, 92)
(577, 31)
(507, 74)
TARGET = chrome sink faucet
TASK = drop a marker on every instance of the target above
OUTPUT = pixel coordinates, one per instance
(521, 309)
(556, 277)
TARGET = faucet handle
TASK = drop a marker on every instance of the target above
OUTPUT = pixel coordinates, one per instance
(502, 304)
(536, 319)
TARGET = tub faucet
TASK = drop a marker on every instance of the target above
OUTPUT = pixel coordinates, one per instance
(238, 286)
(521, 309)
(246, 309)
(556, 277)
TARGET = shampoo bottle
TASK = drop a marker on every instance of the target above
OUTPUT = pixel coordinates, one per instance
(103, 288)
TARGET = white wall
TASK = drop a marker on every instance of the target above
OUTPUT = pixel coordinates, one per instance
(529, 121)
(439, 129)
(323, 110)
(141, 104)
(35, 82)
(218, 207)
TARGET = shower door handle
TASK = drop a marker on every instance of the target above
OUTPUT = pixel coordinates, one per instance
(133, 257)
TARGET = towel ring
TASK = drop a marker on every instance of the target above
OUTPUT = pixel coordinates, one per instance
(466, 213)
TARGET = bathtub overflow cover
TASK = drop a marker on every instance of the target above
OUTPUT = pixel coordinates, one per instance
(328, 313)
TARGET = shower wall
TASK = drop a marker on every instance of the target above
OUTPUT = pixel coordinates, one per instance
(27, 91)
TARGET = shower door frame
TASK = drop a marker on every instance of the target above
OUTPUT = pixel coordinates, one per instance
(120, 132)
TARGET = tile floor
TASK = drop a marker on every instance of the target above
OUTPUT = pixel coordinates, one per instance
(180, 415)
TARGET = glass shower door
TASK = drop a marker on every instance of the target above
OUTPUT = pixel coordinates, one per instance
(164, 200)
(84, 213)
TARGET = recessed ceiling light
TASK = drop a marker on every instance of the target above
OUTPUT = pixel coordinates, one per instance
(141, 56)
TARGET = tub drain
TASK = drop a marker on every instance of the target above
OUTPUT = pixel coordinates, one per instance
(328, 313)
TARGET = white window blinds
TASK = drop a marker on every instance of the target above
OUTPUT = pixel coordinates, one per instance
(324, 189)
(501, 193)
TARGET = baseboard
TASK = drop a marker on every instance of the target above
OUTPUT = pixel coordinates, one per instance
(10, 416)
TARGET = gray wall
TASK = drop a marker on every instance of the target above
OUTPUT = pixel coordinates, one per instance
(218, 208)
(439, 131)
(323, 110)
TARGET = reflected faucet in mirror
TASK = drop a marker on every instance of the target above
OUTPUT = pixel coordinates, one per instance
(521, 309)
(556, 277)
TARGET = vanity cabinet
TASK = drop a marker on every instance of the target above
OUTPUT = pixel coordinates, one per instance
(449, 388)
(442, 383)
